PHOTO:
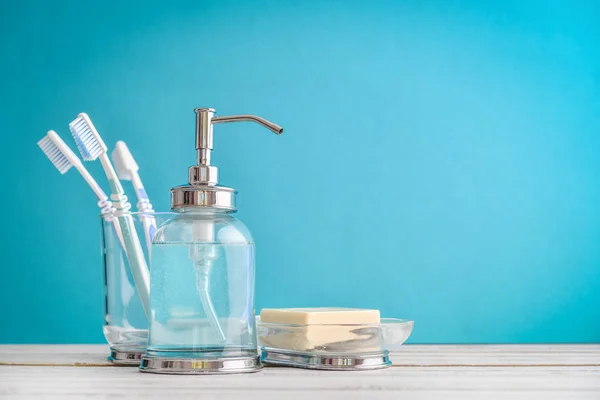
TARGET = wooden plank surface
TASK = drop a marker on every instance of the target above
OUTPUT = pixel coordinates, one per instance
(422, 372)
(55, 354)
(409, 355)
(498, 355)
(20, 382)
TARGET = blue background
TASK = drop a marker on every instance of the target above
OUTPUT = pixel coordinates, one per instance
(440, 160)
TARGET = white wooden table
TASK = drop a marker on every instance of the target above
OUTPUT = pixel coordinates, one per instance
(420, 372)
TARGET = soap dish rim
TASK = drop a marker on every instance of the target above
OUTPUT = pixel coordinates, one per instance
(385, 325)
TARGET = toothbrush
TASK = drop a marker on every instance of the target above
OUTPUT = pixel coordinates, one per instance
(91, 146)
(63, 159)
(127, 169)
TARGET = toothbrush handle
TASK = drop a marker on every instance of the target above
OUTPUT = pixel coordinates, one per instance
(144, 206)
(113, 180)
(133, 248)
(102, 197)
(110, 217)
(106, 206)
(136, 259)
(149, 230)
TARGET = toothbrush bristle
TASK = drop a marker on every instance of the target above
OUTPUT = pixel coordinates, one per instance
(55, 155)
(86, 139)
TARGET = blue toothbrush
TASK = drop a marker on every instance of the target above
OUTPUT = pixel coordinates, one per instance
(91, 146)
(127, 170)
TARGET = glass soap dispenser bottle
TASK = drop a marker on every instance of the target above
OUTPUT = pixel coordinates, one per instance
(202, 273)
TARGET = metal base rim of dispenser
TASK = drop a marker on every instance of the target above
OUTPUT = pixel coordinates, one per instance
(213, 366)
(129, 358)
(332, 362)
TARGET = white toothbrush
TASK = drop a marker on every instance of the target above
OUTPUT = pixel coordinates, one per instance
(127, 169)
(91, 146)
(63, 159)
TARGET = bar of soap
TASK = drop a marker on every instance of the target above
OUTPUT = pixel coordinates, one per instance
(319, 316)
(322, 329)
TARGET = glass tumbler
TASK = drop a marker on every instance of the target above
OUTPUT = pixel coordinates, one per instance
(125, 324)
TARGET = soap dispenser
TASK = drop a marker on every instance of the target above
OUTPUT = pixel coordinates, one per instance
(202, 273)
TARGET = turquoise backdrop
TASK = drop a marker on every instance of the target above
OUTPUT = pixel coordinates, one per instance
(440, 160)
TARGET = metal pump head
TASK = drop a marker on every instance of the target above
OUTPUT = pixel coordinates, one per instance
(203, 190)
(204, 173)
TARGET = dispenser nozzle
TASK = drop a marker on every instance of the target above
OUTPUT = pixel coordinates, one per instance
(205, 120)
(204, 173)
(278, 130)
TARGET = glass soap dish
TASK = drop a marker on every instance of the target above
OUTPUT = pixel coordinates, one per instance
(332, 347)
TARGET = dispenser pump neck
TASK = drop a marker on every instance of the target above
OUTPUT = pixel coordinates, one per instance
(204, 173)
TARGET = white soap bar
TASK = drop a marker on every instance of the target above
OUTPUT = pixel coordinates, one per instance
(320, 316)
(322, 329)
